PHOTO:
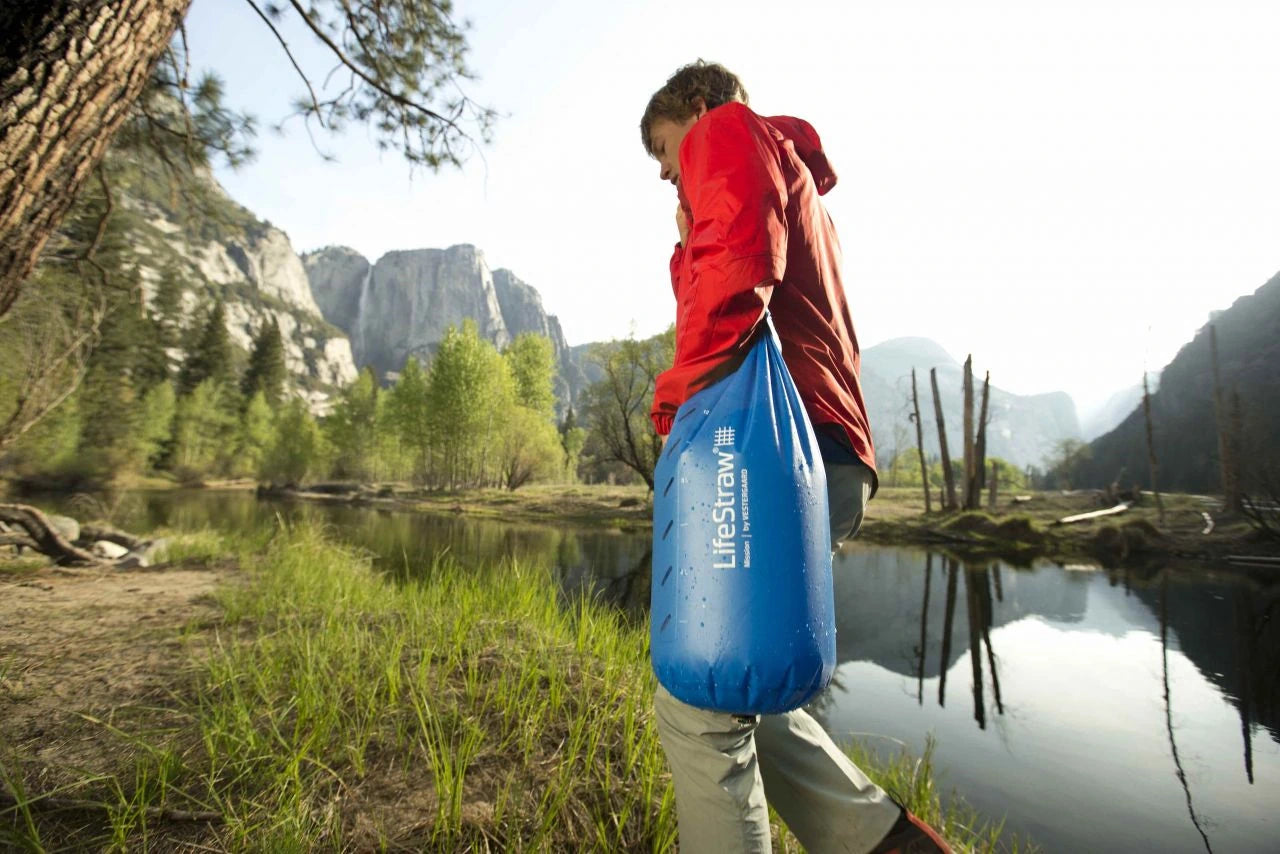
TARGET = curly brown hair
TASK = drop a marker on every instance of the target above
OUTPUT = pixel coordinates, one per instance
(710, 81)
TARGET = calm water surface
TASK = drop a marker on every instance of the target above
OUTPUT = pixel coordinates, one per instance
(1098, 711)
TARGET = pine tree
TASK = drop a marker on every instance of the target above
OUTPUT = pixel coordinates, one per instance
(266, 372)
(166, 307)
(210, 357)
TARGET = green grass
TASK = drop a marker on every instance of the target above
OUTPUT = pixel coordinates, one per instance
(333, 709)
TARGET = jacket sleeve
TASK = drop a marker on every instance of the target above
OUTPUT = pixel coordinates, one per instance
(735, 254)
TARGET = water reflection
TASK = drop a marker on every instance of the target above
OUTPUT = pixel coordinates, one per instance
(1092, 667)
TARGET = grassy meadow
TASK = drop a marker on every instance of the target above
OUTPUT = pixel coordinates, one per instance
(315, 705)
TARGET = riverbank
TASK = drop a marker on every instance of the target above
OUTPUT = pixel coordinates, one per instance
(277, 694)
(1025, 528)
(1191, 529)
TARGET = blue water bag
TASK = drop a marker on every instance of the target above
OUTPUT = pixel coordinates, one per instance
(743, 615)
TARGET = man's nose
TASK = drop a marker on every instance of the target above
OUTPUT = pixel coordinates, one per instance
(664, 172)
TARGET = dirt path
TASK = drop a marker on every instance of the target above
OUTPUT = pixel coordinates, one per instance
(106, 644)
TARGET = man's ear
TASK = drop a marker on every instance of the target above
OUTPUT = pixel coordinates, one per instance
(699, 107)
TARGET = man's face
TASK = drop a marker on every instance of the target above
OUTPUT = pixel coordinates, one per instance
(666, 136)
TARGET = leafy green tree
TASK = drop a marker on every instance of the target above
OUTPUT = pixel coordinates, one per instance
(1068, 456)
(204, 428)
(530, 447)
(407, 414)
(155, 430)
(257, 431)
(1011, 477)
(618, 406)
(351, 429)
(210, 356)
(266, 371)
(532, 361)
(572, 439)
(297, 448)
(469, 391)
(395, 460)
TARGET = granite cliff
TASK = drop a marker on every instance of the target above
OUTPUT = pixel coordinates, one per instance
(219, 250)
(401, 305)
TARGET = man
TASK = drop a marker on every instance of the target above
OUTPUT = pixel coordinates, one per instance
(755, 236)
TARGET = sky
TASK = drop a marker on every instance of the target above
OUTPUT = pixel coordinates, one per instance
(1064, 190)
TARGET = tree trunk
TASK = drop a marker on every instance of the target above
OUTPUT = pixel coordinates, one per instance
(1226, 457)
(947, 477)
(970, 474)
(994, 486)
(924, 467)
(980, 448)
(1151, 445)
(69, 73)
(44, 537)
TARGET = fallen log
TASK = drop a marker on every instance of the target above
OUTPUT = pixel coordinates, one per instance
(49, 802)
(46, 538)
(1255, 560)
(91, 532)
(1096, 514)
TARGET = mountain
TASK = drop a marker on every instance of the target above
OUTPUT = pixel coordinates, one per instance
(402, 304)
(1183, 416)
(220, 250)
(1105, 418)
(1022, 429)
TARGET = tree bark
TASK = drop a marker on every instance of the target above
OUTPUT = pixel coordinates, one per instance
(947, 476)
(70, 70)
(1226, 457)
(924, 467)
(1151, 445)
(970, 475)
(46, 540)
(980, 449)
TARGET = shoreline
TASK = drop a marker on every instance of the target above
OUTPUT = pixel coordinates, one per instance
(1019, 531)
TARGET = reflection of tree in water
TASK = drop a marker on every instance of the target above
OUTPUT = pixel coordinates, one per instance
(616, 574)
(1168, 713)
(1228, 626)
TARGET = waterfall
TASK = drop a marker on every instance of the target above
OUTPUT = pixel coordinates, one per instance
(357, 328)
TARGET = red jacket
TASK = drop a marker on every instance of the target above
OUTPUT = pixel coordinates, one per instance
(760, 238)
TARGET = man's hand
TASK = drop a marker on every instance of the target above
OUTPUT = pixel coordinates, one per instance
(682, 223)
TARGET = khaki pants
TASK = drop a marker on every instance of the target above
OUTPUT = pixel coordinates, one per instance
(724, 765)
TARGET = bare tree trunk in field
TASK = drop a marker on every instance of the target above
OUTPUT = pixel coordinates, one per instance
(947, 476)
(924, 467)
(1151, 445)
(980, 449)
(1226, 457)
(994, 484)
(69, 72)
(970, 475)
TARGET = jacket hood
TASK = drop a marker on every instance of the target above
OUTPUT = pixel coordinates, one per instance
(804, 139)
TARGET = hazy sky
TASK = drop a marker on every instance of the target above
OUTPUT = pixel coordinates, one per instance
(1066, 190)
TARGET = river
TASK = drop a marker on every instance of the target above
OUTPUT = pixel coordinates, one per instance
(1096, 710)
